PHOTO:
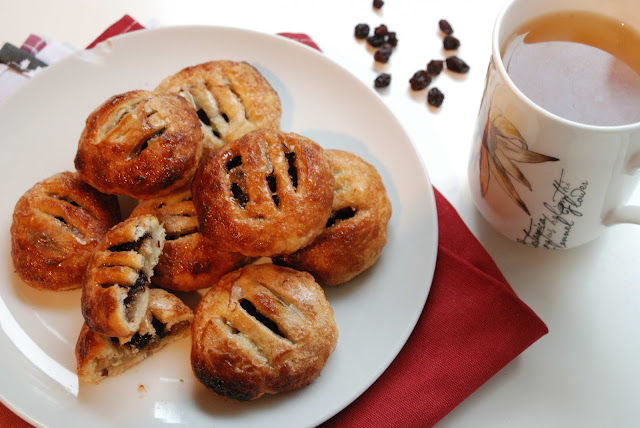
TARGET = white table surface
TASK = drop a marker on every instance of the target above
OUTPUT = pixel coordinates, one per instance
(586, 371)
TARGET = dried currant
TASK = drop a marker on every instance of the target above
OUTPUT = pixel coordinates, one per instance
(392, 39)
(381, 30)
(362, 31)
(382, 81)
(456, 65)
(435, 97)
(375, 40)
(450, 43)
(445, 27)
(420, 80)
(377, 4)
(435, 66)
(383, 53)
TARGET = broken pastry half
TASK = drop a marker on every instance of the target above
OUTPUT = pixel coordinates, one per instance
(263, 329)
(115, 292)
(166, 320)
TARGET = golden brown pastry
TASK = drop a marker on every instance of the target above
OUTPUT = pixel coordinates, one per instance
(262, 329)
(188, 262)
(231, 99)
(56, 225)
(357, 229)
(167, 319)
(265, 194)
(115, 292)
(140, 144)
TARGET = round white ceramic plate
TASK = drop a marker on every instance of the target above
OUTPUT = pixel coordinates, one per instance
(39, 129)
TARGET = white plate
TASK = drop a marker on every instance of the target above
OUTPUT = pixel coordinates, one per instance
(39, 128)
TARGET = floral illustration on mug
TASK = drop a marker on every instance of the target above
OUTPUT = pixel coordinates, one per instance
(502, 146)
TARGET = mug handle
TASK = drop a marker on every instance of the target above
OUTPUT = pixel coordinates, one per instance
(628, 213)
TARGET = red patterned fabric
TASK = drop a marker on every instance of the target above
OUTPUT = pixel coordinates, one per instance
(33, 44)
(125, 25)
(302, 38)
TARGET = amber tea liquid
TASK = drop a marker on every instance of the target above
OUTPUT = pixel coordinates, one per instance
(578, 65)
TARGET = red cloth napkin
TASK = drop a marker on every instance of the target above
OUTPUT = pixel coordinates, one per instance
(126, 24)
(472, 325)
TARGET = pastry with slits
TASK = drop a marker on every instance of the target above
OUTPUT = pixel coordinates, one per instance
(140, 144)
(356, 231)
(56, 224)
(230, 98)
(115, 290)
(263, 329)
(188, 262)
(265, 194)
(167, 319)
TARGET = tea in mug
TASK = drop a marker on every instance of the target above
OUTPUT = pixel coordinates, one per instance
(578, 65)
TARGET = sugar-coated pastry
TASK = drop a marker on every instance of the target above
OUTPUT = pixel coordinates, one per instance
(357, 229)
(140, 144)
(231, 99)
(262, 329)
(264, 194)
(188, 262)
(115, 292)
(167, 319)
(56, 224)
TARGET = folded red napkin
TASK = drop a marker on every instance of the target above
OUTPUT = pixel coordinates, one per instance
(472, 325)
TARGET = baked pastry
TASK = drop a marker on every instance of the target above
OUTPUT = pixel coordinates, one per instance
(356, 231)
(115, 292)
(56, 224)
(167, 319)
(140, 144)
(265, 194)
(262, 329)
(231, 99)
(188, 262)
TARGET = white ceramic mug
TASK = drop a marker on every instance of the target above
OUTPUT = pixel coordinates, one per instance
(566, 181)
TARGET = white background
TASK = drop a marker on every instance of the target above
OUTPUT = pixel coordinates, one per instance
(586, 371)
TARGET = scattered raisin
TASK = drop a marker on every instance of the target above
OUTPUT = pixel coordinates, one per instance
(392, 39)
(445, 27)
(435, 66)
(377, 4)
(435, 97)
(362, 31)
(383, 80)
(456, 65)
(376, 41)
(420, 80)
(381, 30)
(450, 43)
(383, 53)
